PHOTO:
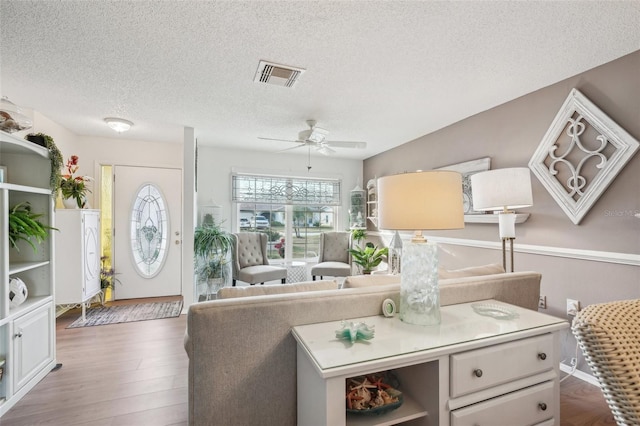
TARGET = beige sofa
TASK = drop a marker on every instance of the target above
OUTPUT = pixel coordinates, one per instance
(242, 356)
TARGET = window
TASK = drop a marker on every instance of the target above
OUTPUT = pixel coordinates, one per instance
(287, 209)
(148, 230)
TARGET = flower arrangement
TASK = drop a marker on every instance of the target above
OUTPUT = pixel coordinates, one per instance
(74, 186)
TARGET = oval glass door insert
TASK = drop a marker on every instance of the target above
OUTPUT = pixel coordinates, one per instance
(149, 230)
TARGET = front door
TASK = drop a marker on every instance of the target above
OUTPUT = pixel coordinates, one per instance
(147, 231)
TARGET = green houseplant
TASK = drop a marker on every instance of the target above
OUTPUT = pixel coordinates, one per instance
(358, 235)
(107, 278)
(55, 156)
(368, 257)
(25, 225)
(211, 246)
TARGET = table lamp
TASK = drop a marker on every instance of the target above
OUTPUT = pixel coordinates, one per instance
(503, 190)
(420, 201)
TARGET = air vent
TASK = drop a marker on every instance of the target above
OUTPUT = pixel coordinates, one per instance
(279, 75)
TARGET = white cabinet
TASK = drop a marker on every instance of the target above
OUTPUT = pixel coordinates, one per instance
(78, 271)
(27, 331)
(469, 370)
(33, 345)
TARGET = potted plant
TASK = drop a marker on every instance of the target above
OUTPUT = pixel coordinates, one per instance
(107, 277)
(74, 188)
(55, 156)
(25, 225)
(211, 246)
(358, 235)
(368, 257)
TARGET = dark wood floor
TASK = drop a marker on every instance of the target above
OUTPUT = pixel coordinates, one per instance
(135, 374)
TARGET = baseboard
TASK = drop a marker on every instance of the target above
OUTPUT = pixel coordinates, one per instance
(578, 374)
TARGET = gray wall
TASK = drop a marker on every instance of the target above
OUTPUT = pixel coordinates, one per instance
(595, 261)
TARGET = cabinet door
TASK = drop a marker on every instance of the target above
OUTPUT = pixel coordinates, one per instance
(32, 344)
(91, 254)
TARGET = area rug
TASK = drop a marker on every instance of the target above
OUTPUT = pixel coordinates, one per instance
(103, 315)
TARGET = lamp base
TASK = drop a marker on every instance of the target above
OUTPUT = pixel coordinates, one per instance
(419, 291)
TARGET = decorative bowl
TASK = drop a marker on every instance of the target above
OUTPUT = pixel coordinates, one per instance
(370, 385)
(11, 118)
(383, 408)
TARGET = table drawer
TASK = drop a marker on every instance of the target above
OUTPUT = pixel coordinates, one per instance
(525, 407)
(483, 368)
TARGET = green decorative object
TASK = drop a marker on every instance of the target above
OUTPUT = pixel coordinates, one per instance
(211, 246)
(355, 331)
(25, 225)
(55, 156)
(368, 257)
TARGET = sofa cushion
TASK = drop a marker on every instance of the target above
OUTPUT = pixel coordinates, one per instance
(331, 269)
(472, 271)
(228, 292)
(261, 273)
(369, 280)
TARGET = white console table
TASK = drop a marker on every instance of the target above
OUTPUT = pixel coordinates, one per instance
(469, 370)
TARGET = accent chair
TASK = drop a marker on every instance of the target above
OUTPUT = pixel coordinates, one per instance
(250, 262)
(334, 259)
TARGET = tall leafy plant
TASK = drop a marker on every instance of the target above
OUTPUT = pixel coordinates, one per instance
(25, 225)
(211, 246)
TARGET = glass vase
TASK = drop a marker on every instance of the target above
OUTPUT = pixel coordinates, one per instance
(419, 291)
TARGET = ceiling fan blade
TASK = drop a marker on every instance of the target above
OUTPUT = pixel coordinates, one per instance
(324, 149)
(293, 147)
(346, 144)
(280, 140)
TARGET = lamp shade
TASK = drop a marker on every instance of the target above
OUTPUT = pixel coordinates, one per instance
(421, 200)
(502, 189)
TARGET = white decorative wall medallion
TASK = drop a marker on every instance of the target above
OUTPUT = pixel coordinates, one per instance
(580, 155)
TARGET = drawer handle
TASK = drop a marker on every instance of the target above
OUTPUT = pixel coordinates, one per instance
(477, 372)
(542, 406)
(542, 356)
(19, 334)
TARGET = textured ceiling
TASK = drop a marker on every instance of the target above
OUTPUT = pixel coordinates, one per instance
(381, 72)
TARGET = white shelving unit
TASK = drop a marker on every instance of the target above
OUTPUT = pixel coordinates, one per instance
(372, 201)
(27, 331)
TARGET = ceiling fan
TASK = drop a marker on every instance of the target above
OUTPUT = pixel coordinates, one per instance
(316, 137)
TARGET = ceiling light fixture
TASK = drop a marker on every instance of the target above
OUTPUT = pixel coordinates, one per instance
(118, 124)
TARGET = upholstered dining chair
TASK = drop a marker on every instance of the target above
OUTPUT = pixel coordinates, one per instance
(250, 262)
(609, 335)
(334, 259)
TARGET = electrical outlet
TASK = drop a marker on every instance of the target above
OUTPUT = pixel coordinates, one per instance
(542, 302)
(573, 306)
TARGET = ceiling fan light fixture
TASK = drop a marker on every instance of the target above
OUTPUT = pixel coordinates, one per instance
(118, 124)
(317, 135)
